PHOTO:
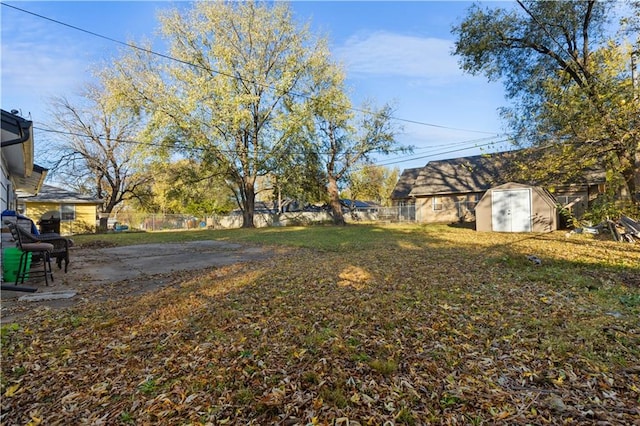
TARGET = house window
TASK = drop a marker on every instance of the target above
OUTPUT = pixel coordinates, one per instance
(437, 203)
(564, 200)
(472, 201)
(67, 212)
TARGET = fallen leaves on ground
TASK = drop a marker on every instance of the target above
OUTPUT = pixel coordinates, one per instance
(97, 244)
(446, 327)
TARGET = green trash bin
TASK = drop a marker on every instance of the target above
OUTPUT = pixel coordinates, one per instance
(10, 263)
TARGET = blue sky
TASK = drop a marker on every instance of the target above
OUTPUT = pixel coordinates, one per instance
(397, 52)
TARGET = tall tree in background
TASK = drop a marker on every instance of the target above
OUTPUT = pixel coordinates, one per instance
(96, 148)
(341, 136)
(350, 143)
(373, 183)
(234, 96)
(344, 141)
(570, 82)
(183, 187)
(301, 179)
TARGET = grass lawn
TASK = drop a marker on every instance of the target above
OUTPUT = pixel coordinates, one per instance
(355, 325)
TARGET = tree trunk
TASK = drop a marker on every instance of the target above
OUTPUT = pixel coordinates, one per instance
(334, 202)
(630, 174)
(249, 205)
(635, 191)
(632, 179)
(636, 102)
(102, 225)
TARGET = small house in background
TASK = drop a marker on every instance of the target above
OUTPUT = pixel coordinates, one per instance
(72, 212)
(515, 207)
(447, 191)
(359, 206)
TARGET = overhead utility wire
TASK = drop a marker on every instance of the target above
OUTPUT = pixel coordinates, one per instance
(388, 163)
(531, 149)
(436, 151)
(397, 160)
(451, 144)
(162, 55)
(469, 143)
(136, 142)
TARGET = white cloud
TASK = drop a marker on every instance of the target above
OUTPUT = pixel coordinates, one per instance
(388, 54)
(43, 68)
(39, 61)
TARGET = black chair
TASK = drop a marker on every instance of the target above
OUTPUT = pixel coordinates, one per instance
(39, 251)
(49, 226)
(60, 244)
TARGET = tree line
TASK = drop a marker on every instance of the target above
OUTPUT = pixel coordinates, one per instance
(246, 100)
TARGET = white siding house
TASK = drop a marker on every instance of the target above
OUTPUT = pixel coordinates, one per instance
(18, 175)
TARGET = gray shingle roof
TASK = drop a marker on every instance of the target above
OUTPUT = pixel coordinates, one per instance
(460, 175)
(52, 194)
(476, 174)
(405, 183)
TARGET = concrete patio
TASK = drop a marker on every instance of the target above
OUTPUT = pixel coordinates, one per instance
(140, 266)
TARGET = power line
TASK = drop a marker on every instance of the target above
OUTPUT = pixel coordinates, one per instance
(530, 149)
(436, 150)
(239, 78)
(464, 145)
(157, 144)
(388, 163)
(448, 145)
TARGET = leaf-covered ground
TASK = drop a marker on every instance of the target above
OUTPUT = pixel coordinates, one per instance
(422, 325)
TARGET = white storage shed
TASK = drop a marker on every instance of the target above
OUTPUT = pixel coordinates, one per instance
(515, 207)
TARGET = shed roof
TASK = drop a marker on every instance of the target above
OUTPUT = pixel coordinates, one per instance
(358, 204)
(53, 194)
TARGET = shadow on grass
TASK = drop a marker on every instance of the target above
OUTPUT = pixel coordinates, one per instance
(432, 315)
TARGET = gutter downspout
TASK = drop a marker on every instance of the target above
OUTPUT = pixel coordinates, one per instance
(22, 139)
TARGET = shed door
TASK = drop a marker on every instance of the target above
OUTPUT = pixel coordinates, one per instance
(511, 210)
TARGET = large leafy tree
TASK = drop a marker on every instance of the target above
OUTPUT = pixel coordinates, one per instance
(570, 81)
(96, 147)
(233, 96)
(344, 141)
(343, 137)
(373, 183)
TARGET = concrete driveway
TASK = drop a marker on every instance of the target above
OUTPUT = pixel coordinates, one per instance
(128, 262)
(141, 266)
